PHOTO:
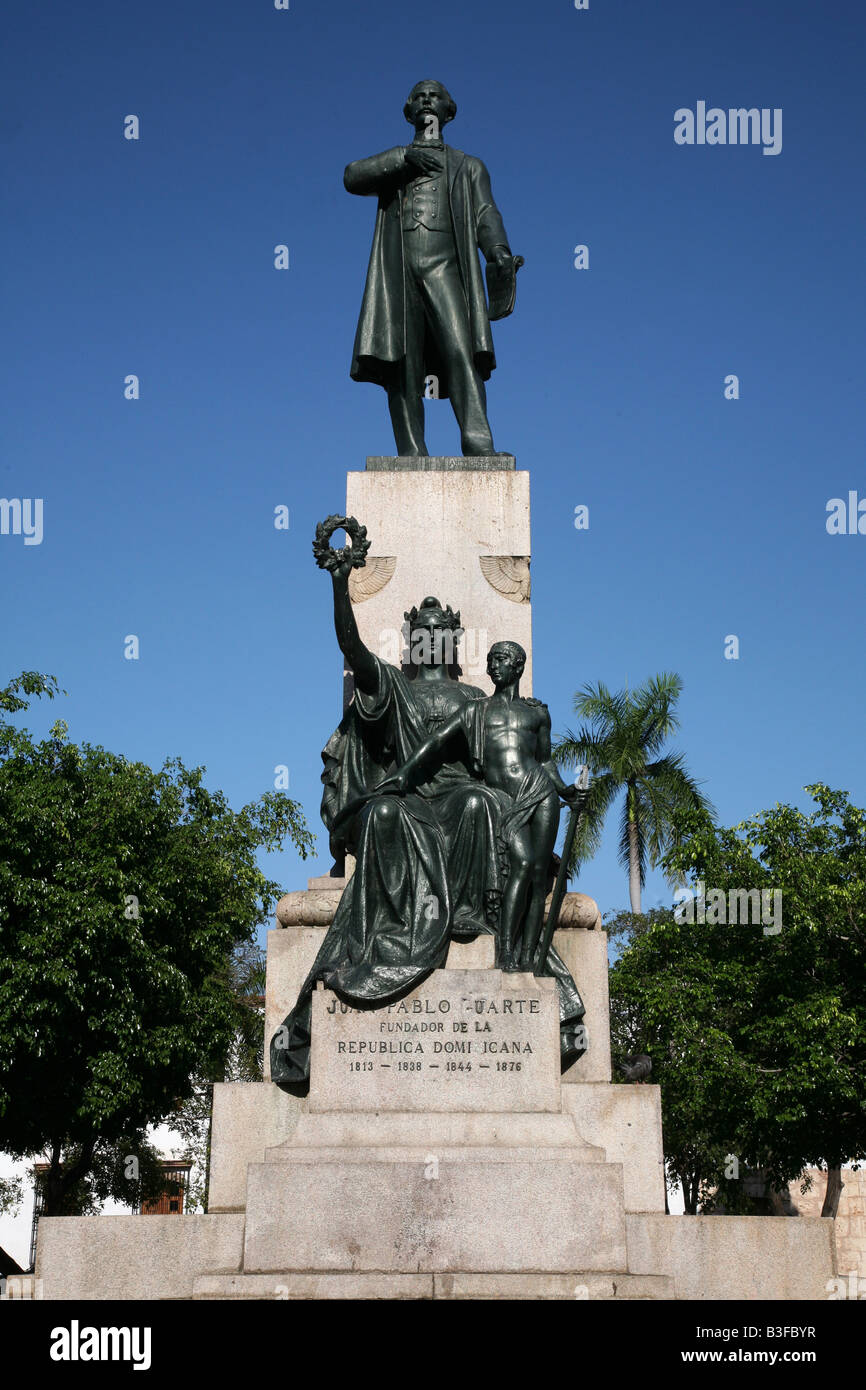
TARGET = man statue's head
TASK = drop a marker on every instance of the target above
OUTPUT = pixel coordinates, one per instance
(429, 98)
(505, 663)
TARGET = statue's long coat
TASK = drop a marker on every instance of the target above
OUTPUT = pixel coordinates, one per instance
(380, 342)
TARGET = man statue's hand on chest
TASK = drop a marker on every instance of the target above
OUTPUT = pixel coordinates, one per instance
(424, 161)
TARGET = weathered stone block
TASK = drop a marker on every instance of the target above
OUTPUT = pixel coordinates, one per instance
(248, 1118)
(734, 1257)
(576, 1286)
(291, 1285)
(138, 1257)
(472, 513)
(434, 1133)
(358, 1214)
(585, 954)
(290, 957)
(463, 1040)
(626, 1122)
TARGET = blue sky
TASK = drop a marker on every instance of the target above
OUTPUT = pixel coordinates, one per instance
(155, 257)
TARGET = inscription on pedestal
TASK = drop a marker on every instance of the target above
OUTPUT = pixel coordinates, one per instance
(473, 1040)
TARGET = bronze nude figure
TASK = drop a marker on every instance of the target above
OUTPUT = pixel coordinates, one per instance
(505, 738)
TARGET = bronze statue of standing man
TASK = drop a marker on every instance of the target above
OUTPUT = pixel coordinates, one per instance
(424, 312)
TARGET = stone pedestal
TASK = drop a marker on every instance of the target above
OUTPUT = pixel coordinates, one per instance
(436, 1139)
(454, 528)
(407, 1182)
(464, 1041)
(387, 1214)
(306, 915)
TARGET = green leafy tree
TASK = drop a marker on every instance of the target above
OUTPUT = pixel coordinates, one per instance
(124, 892)
(126, 1168)
(678, 997)
(11, 1194)
(756, 1028)
(622, 746)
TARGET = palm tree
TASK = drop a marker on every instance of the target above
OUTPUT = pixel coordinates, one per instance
(621, 745)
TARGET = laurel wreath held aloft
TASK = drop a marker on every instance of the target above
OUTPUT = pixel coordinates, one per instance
(326, 557)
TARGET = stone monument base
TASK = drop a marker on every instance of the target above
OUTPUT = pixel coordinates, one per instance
(453, 1287)
(439, 1155)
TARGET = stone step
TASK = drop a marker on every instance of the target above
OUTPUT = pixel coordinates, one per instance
(429, 1155)
(366, 1211)
(433, 1130)
(577, 1287)
(292, 1284)
(315, 906)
